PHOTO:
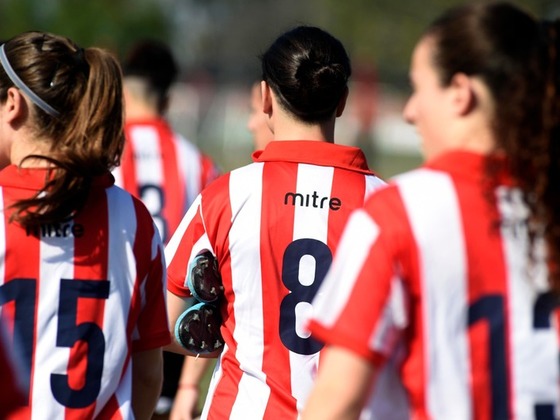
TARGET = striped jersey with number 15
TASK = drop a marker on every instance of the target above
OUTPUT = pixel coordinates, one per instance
(80, 297)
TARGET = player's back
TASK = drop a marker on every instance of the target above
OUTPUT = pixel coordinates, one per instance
(76, 295)
(273, 226)
(486, 345)
(164, 170)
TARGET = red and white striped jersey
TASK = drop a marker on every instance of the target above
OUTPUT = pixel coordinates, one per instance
(164, 170)
(438, 265)
(80, 297)
(272, 226)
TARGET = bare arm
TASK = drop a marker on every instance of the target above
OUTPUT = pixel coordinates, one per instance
(175, 307)
(188, 391)
(147, 379)
(342, 386)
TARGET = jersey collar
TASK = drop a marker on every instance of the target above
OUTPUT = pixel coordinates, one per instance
(468, 164)
(315, 153)
(34, 178)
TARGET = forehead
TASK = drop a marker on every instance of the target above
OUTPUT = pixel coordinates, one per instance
(422, 58)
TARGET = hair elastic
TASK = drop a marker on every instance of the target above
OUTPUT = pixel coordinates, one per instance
(23, 87)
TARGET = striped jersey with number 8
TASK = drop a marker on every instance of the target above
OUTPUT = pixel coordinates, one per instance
(273, 226)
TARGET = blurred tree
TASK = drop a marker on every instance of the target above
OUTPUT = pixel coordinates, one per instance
(385, 31)
(110, 23)
(223, 38)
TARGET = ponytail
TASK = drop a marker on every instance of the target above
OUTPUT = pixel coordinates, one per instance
(87, 137)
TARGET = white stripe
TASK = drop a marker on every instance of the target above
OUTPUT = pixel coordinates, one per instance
(214, 381)
(149, 170)
(315, 184)
(121, 276)
(437, 228)
(534, 352)
(310, 222)
(188, 160)
(147, 154)
(373, 183)
(56, 256)
(118, 174)
(244, 243)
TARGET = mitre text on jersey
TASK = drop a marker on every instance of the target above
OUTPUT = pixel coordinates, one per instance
(312, 200)
(57, 230)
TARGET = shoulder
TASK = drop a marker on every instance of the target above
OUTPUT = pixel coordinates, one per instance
(122, 202)
(234, 186)
(410, 195)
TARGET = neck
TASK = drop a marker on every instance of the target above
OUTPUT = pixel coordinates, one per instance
(25, 146)
(138, 110)
(288, 128)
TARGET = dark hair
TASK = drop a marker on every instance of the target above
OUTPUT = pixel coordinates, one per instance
(308, 70)
(518, 58)
(153, 61)
(86, 136)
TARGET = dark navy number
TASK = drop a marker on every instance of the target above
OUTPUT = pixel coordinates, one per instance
(23, 292)
(300, 292)
(154, 199)
(544, 306)
(490, 309)
(70, 332)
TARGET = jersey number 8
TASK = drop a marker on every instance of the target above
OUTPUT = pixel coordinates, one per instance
(301, 293)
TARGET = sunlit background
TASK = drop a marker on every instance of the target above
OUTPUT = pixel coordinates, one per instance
(217, 44)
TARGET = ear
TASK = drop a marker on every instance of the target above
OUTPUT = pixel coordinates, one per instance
(266, 98)
(15, 106)
(342, 103)
(463, 96)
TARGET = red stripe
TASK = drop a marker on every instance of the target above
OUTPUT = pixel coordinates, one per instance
(208, 171)
(387, 208)
(351, 198)
(22, 260)
(149, 270)
(90, 263)
(486, 276)
(278, 179)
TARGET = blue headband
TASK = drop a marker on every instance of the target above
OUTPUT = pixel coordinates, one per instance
(23, 87)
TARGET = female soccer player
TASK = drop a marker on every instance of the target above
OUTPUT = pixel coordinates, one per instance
(82, 274)
(272, 227)
(454, 266)
(159, 166)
